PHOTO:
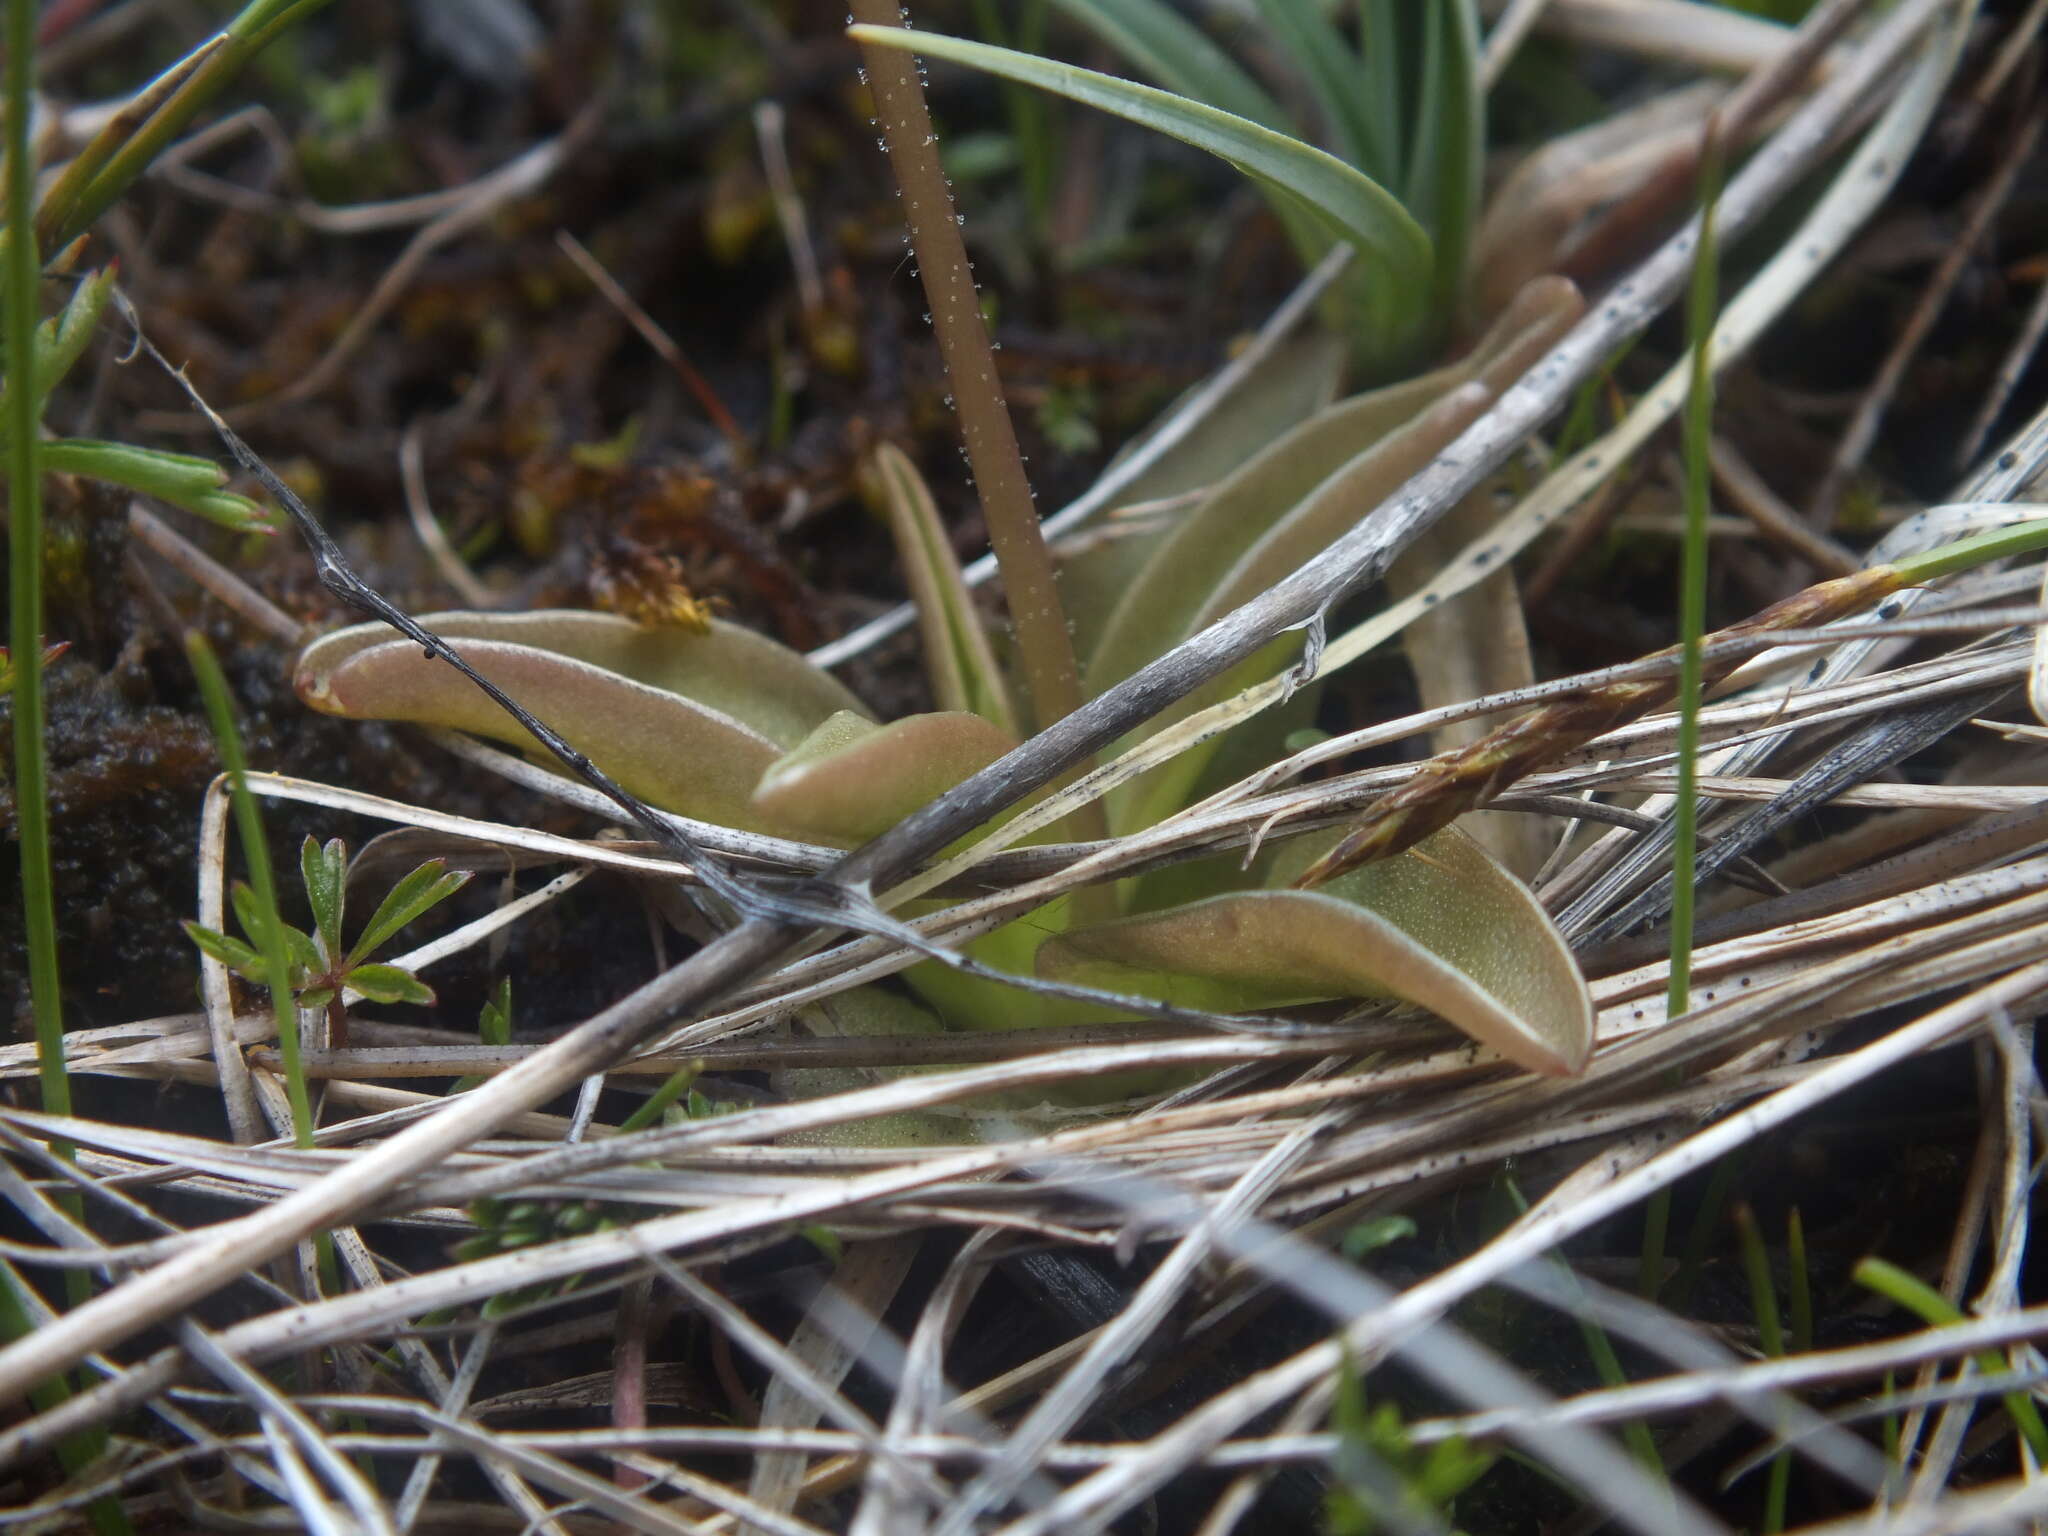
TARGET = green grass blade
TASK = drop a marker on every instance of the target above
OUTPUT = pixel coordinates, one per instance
(1800, 1309)
(1770, 1334)
(24, 410)
(213, 687)
(1173, 52)
(1978, 549)
(1387, 67)
(1909, 1291)
(1332, 74)
(241, 40)
(1448, 139)
(1656, 1234)
(25, 572)
(1305, 183)
(1031, 125)
(650, 1112)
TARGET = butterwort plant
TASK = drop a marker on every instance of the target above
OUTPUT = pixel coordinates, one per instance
(714, 722)
(718, 723)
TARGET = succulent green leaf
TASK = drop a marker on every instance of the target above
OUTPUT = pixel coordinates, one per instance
(1160, 607)
(1533, 324)
(1305, 184)
(965, 674)
(687, 720)
(324, 872)
(1289, 504)
(316, 997)
(1295, 380)
(413, 896)
(1298, 379)
(238, 957)
(1344, 499)
(389, 984)
(851, 779)
(1443, 927)
(863, 1012)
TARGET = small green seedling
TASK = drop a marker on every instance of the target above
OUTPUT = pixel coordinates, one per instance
(493, 1026)
(505, 1225)
(324, 972)
(1380, 1477)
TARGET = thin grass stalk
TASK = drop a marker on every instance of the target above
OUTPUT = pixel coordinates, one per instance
(673, 1088)
(1692, 584)
(1800, 1308)
(24, 408)
(62, 198)
(1029, 113)
(1910, 1292)
(1770, 1335)
(1889, 1438)
(1699, 1236)
(1656, 1236)
(1635, 1433)
(213, 687)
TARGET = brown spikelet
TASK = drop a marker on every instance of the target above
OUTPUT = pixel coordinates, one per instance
(1452, 783)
